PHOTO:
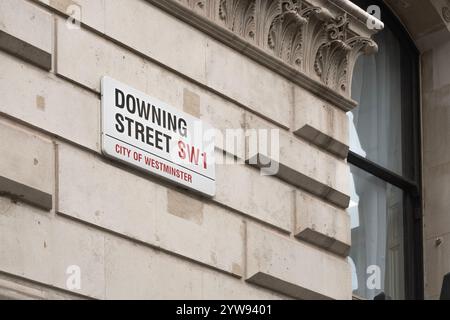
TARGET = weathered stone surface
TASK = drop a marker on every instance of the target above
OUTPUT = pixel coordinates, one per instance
(197, 50)
(137, 272)
(253, 86)
(301, 164)
(244, 189)
(41, 248)
(320, 123)
(131, 200)
(101, 57)
(49, 103)
(281, 264)
(163, 242)
(105, 58)
(14, 288)
(26, 167)
(190, 228)
(292, 38)
(23, 233)
(218, 287)
(25, 51)
(228, 121)
(91, 13)
(436, 117)
(156, 37)
(322, 224)
(437, 202)
(19, 192)
(26, 32)
(191, 103)
(437, 263)
(145, 211)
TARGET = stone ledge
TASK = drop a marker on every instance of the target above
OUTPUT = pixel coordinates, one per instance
(320, 123)
(40, 247)
(201, 15)
(320, 82)
(255, 196)
(26, 167)
(323, 141)
(300, 180)
(319, 239)
(25, 51)
(322, 224)
(155, 215)
(279, 285)
(297, 162)
(26, 32)
(293, 268)
(16, 288)
(19, 192)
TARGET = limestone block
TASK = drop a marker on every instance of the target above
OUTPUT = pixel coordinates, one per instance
(437, 202)
(24, 235)
(144, 210)
(300, 163)
(293, 268)
(13, 288)
(244, 189)
(320, 123)
(111, 198)
(41, 249)
(91, 13)
(26, 31)
(151, 31)
(26, 167)
(437, 264)
(49, 103)
(436, 117)
(216, 286)
(133, 271)
(101, 57)
(249, 83)
(322, 224)
(228, 121)
(201, 231)
(76, 245)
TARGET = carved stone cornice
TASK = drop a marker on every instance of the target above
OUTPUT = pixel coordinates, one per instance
(314, 43)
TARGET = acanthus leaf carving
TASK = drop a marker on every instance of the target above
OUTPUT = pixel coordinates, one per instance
(308, 38)
(239, 17)
(285, 32)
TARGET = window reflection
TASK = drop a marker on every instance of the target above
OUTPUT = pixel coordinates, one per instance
(377, 252)
(376, 128)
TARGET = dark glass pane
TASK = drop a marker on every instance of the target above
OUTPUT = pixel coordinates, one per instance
(376, 124)
(377, 253)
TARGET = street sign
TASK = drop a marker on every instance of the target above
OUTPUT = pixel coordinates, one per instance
(150, 135)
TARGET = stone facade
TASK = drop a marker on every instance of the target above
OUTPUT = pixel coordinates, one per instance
(235, 64)
(429, 25)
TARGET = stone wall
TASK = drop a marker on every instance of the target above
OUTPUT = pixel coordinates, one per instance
(132, 235)
(436, 166)
(428, 22)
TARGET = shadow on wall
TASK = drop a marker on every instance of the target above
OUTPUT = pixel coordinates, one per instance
(445, 291)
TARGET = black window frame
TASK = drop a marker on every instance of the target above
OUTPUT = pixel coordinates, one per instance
(411, 180)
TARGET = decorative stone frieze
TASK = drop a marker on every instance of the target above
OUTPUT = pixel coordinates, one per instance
(318, 38)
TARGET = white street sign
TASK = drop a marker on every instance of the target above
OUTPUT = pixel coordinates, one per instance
(148, 134)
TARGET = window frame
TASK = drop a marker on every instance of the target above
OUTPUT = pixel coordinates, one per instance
(411, 180)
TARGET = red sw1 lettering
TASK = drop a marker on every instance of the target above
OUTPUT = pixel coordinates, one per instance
(191, 154)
